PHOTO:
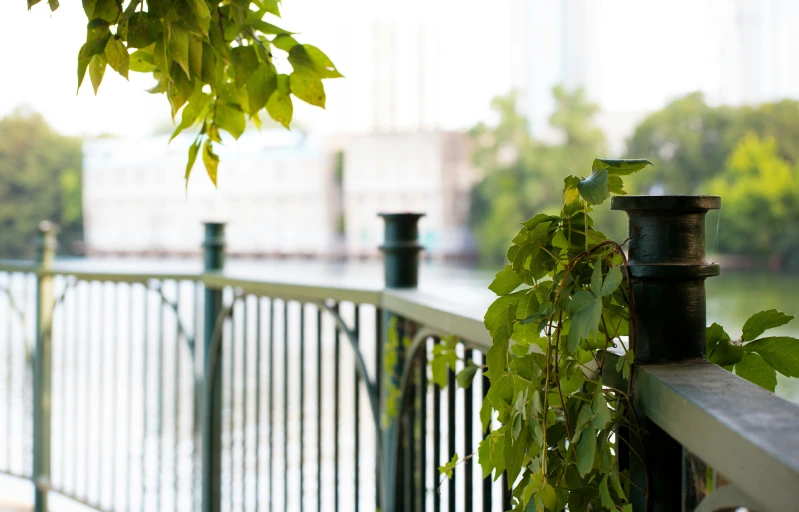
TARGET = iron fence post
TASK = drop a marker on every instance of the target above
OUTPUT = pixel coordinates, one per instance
(46, 244)
(668, 269)
(401, 267)
(213, 261)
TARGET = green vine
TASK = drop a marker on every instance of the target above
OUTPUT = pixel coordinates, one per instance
(563, 301)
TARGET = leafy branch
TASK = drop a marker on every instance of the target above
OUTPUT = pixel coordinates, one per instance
(564, 299)
(216, 69)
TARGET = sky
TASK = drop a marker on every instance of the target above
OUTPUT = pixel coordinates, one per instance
(437, 63)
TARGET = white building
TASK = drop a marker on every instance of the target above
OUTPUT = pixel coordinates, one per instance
(273, 192)
(279, 193)
(426, 172)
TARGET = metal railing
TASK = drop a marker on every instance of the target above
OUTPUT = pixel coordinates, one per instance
(206, 391)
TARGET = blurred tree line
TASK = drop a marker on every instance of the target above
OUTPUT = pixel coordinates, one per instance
(749, 155)
(40, 179)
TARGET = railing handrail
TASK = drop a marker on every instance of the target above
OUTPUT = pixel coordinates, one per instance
(434, 311)
(736, 427)
(745, 432)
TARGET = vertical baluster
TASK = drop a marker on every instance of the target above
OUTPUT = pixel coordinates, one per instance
(76, 388)
(231, 349)
(436, 442)
(468, 417)
(64, 374)
(271, 459)
(145, 387)
(302, 405)
(9, 369)
(213, 385)
(259, 304)
(114, 390)
(487, 481)
(86, 391)
(336, 410)
(318, 409)
(422, 426)
(506, 492)
(101, 378)
(176, 402)
(357, 402)
(285, 405)
(451, 389)
(129, 402)
(408, 420)
(195, 416)
(160, 411)
(245, 356)
(379, 388)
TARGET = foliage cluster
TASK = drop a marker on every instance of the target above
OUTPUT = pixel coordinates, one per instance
(217, 60)
(564, 300)
(40, 178)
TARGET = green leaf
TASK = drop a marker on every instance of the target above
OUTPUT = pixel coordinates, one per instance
(540, 218)
(600, 409)
(193, 150)
(761, 322)
(268, 28)
(713, 335)
(444, 360)
(97, 35)
(496, 360)
(515, 452)
(230, 119)
(505, 281)
(627, 508)
(604, 494)
(585, 311)
(311, 61)
(484, 456)
(97, 70)
(500, 316)
(528, 304)
(755, 369)
(466, 376)
(485, 414)
(449, 466)
(245, 62)
(726, 353)
(781, 352)
(621, 167)
(616, 185)
(596, 278)
(260, 87)
(279, 104)
(142, 62)
(211, 160)
(310, 90)
(594, 189)
(202, 14)
(196, 109)
(142, 30)
(106, 10)
(548, 497)
(178, 46)
(285, 42)
(117, 56)
(586, 450)
(612, 281)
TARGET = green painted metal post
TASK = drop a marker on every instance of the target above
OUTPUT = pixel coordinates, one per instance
(401, 266)
(668, 267)
(213, 261)
(43, 364)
